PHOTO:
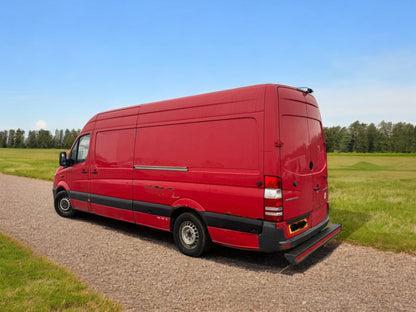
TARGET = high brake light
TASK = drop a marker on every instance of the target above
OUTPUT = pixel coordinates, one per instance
(273, 202)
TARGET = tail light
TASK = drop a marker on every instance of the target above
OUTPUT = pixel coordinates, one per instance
(273, 203)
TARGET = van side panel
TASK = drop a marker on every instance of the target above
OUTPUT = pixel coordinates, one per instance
(206, 150)
(228, 144)
(112, 165)
(221, 103)
(219, 165)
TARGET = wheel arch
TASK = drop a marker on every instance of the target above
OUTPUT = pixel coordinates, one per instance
(180, 210)
(62, 186)
(186, 205)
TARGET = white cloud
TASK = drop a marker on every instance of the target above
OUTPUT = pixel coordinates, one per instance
(41, 124)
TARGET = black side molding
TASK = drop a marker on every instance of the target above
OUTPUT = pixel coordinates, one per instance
(234, 223)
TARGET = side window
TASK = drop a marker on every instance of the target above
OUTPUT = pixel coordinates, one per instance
(80, 151)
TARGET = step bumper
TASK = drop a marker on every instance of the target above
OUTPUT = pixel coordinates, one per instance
(301, 252)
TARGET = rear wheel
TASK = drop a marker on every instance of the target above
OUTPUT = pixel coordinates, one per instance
(63, 205)
(191, 235)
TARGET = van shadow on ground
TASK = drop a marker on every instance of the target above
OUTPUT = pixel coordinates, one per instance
(351, 220)
(268, 262)
(249, 260)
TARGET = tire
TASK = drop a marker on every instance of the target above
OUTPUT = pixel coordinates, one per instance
(63, 205)
(190, 235)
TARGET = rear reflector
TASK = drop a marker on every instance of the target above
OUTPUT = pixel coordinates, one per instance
(273, 214)
(273, 203)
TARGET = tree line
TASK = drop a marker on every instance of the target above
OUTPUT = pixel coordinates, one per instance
(38, 138)
(386, 137)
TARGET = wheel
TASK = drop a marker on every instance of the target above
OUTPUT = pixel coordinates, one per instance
(63, 205)
(190, 235)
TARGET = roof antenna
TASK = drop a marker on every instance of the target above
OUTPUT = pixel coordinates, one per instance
(305, 90)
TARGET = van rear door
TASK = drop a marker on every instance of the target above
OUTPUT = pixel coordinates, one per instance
(303, 158)
(319, 171)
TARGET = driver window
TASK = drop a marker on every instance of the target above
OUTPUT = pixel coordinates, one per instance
(80, 151)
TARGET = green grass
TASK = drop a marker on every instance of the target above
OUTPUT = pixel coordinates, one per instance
(29, 282)
(374, 197)
(32, 283)
(31, 163)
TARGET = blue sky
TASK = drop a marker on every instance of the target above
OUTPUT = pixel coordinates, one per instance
(61, 62)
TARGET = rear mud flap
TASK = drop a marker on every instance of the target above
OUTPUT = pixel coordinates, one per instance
(302, 251)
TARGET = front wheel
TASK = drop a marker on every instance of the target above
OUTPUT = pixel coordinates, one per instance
(190, 235)
(63, 205)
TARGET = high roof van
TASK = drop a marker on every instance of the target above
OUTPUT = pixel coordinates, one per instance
(245, 168)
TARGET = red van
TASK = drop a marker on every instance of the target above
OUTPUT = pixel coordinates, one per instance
(245, 168)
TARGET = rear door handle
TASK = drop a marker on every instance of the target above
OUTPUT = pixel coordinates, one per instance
(94, 172)
(317, 188)
(84, 171)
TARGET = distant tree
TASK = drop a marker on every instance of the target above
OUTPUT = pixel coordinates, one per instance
(333, 136)
(11, 141)
(58, 138)
(19, 138)
(414, 140)
(32, 139)
(346, 143)
(402, 139)
(359, 137)
(3, 138)
(410, 137)
(44, 139)
(371, 137)
(69, 138)
(385, 132)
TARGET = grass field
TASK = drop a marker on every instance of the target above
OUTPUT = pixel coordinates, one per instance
(374, 197)
(31, 163)
(32, 283)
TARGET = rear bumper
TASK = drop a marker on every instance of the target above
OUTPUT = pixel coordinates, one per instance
(302, 245)
(301, 252)
(272, 239)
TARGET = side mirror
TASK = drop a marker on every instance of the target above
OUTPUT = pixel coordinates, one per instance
(62, 159)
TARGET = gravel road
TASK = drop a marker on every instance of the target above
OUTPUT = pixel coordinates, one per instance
(141, 268)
